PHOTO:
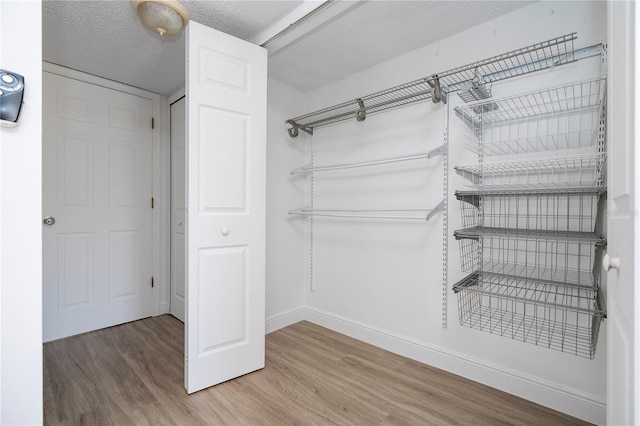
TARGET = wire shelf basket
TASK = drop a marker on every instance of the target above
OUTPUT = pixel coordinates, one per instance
(569, 171)
(570, 257)
(555, 315)
(557, 118)
(575, 209)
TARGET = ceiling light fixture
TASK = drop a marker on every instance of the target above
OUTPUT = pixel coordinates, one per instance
(165, 17)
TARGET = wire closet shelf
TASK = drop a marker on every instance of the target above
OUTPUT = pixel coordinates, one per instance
(392, 214)
(471, 81)
(564, 117)
(568, 171)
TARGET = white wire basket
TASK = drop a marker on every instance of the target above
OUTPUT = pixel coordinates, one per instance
(574, 209)
(564, 117)
(558, 316)
(570, 257)
(569, 171)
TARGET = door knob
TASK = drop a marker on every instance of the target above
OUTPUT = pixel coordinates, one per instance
(609, 263)
(49, 221)
(224, 231)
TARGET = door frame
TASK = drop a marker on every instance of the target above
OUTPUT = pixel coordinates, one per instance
(160, 179)
(171, 99)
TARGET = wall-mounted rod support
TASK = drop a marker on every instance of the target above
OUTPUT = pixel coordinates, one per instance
(293, 131)
(437, 94)
(361, 113)
(441, 150)
(437, 209)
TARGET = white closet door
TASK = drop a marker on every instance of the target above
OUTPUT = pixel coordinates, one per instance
(178, 218)
(623, 400)
(97, 187)
(226, 153)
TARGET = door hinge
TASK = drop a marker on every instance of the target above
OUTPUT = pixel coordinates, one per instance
(153, 203)
(153, 123)
(152, 284)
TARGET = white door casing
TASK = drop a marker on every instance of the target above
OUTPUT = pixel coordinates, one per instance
(178, 219)
(226, 168)
(97, 153)
(622, 223)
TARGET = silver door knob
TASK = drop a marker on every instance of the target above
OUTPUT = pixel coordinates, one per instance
(48, 221)
(224, 231)
(609, 263)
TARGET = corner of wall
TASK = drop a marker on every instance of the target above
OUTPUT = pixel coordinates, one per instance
(21, 382)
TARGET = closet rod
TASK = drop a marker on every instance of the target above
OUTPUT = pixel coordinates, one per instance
(418, 156)
(402, 214)
(539, 56)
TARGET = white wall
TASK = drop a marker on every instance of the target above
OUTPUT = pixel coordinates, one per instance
(285, 261)
(382, 281)
(20, 215)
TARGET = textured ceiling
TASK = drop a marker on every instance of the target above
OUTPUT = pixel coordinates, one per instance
(106, 38)
(374, 32)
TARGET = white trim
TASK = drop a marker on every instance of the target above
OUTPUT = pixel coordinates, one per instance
(282, 24)
(549, 394)
(176, 96)
(160, 175)
(636, 326)
(162, 168)
(164, 309)
(98, 81)
(284, 319)
(295, 30)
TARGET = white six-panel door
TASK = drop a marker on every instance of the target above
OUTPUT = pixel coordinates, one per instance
(226, 155)
(97, 186)
(178, 218)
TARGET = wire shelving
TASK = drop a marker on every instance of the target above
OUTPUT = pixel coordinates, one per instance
(533, 222)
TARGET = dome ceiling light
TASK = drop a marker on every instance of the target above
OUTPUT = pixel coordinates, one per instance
(165, 17)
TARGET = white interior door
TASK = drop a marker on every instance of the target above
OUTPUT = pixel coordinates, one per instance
(226, 154)
(622, 293)
(178, 219)
(97, 187)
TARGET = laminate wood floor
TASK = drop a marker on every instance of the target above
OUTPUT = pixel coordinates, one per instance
(133, 374)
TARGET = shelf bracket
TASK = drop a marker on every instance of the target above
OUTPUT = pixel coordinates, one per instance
(293, 131)
(437, 209)
(361, 113)
(437, 94)
(441, 150)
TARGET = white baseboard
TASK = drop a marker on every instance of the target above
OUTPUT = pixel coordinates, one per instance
(281, 320)
(163, 309)
(549, 394)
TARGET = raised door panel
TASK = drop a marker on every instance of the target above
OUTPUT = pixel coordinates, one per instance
(75, 270)
(222, 153)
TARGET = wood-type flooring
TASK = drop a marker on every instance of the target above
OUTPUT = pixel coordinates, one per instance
(133, 374)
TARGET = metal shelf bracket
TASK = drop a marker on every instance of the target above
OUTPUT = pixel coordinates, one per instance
(441, 150)
(293, 131)
(437, 209)
(437, 94)
(361, 113)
